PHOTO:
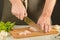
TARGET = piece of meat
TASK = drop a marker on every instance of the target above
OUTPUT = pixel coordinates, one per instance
(26, 32)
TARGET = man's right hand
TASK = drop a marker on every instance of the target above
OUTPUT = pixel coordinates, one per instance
(18, 9)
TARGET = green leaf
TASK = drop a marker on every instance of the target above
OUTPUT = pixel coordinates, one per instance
(6, 26)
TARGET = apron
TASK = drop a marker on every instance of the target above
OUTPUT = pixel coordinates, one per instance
(34, 11)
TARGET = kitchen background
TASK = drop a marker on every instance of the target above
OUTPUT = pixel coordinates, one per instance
(55, 16)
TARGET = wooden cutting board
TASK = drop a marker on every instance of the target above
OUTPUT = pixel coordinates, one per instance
(15, 33)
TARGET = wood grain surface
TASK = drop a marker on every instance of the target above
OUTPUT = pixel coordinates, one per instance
(15, 33)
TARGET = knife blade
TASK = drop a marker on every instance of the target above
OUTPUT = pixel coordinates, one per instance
(29, 21)
(32, 23)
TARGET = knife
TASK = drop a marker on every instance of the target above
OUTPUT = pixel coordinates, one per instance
(29, 21)
(32, 24)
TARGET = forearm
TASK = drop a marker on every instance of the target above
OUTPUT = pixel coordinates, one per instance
(48, 8)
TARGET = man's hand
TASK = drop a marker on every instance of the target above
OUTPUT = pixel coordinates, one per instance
(45, 23)
(18, 9)
(45, 19)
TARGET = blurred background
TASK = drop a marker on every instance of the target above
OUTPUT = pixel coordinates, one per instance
(5, 8)
(1, 7)
(56, 13)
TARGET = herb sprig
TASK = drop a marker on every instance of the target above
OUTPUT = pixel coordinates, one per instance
(6, 26)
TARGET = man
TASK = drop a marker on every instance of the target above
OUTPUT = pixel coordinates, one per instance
(34, 11)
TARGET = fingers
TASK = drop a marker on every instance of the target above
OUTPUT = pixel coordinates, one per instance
(49, 28)
(19, 15)
(45, 27)
(25, 14)
(22, 15)
(41, 25)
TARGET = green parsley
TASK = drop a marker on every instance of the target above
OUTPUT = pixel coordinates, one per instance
(6, 26)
